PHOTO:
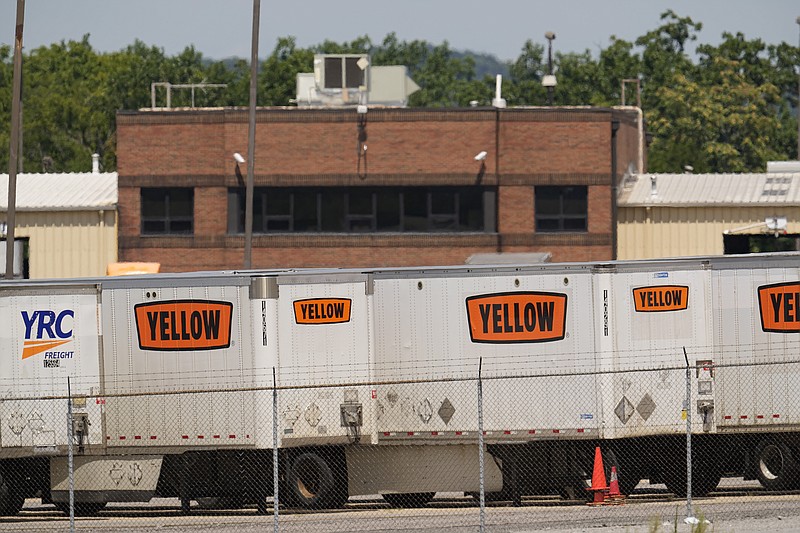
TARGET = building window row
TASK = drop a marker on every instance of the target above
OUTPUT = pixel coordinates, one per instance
(364, 210)
(170, 210)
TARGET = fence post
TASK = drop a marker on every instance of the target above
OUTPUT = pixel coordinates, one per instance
(482, 488)
(70, 463)
(275, 491)
(688, 437)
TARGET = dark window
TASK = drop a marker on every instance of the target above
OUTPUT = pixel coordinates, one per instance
(561, 208)
(167, 211)
(365, 210)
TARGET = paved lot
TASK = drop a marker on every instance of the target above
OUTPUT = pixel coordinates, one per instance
(737, 508)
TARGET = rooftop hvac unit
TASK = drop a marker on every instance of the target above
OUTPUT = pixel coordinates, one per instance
(343, 76)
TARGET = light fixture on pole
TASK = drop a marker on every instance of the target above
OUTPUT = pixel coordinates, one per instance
(549, 80)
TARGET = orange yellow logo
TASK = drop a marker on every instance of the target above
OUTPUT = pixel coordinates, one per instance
(322, 311)
(780, 307)
(660, 298)
(514, 317)
(180, 325)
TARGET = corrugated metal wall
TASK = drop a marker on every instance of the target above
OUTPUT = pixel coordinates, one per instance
(67, 244)
(655, 232)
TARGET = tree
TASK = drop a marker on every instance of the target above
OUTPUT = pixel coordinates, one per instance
(728, 126)
(278, 74)
(65, 116)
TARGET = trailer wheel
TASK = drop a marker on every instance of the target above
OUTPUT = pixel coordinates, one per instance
(408, 500)
(318, 481)
(776, 467)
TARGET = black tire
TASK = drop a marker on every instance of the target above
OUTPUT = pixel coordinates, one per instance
(409, 500)
(317, 481)
(81, 508)
(776, 467)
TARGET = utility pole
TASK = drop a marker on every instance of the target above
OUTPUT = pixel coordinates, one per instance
(16, 101)
(251, 141)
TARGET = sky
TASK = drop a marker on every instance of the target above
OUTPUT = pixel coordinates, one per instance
(222, 28)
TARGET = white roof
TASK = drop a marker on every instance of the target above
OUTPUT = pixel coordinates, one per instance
(82, 191)
(681, 190)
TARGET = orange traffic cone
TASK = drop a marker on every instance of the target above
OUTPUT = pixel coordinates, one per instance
(614, 494)
(598, 479)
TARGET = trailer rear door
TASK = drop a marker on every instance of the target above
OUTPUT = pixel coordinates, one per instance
(324, 330)
(49, 344)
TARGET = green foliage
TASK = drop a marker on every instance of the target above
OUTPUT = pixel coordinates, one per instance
(730, 110)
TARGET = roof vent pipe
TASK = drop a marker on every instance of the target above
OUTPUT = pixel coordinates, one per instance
(95, 163)
(498, 101)
(653, 189)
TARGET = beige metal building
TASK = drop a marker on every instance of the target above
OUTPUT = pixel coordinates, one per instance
(67, 222)
(674, 215)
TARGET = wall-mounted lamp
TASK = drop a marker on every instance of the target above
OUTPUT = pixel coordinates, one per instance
(480, 156)
(238, 171)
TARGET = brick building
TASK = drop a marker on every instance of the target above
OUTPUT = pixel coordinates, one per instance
(394, 187)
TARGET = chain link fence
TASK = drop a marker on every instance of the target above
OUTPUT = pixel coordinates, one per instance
(483, 453)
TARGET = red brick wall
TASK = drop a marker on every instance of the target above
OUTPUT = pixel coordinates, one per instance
(516, 209)
(525, 148)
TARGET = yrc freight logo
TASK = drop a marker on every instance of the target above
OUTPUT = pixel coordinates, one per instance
(181, 325)
(46, 330)
(780, 307)
(512, 317)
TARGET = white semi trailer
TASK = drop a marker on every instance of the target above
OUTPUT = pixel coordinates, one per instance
(171, 380)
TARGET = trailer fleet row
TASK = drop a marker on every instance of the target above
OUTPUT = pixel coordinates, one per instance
(171, 380)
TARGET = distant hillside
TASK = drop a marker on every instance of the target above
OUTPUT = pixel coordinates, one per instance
(484, 63)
